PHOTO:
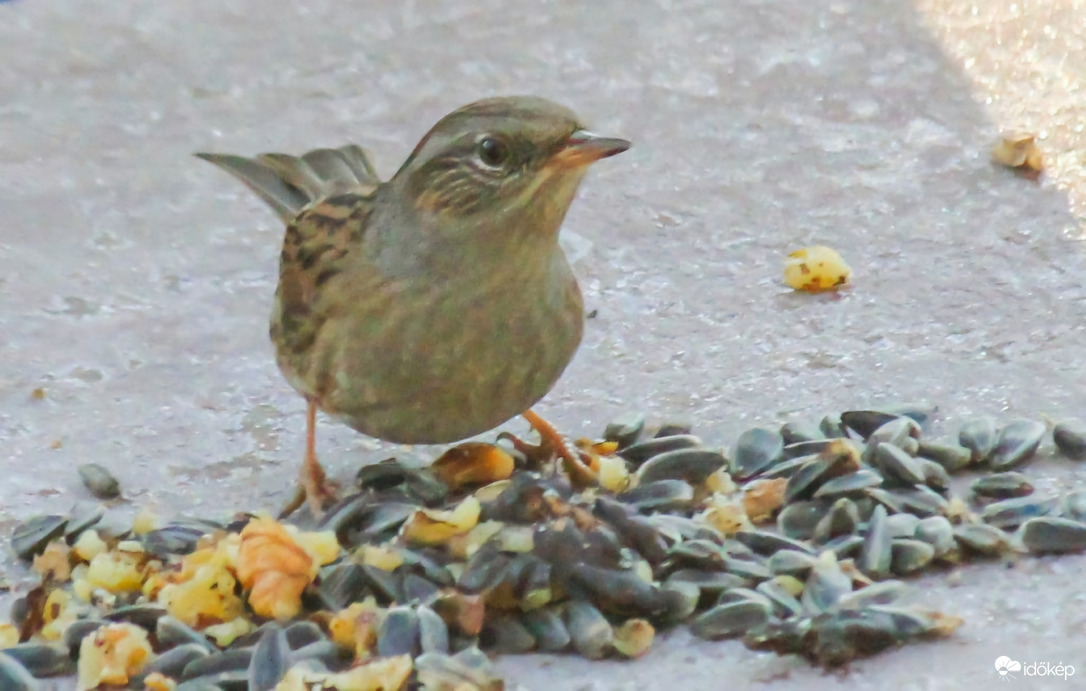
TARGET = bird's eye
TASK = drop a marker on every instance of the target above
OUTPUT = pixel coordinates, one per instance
(493, 152)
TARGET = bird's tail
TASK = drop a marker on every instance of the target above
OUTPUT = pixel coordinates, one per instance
(287, 183)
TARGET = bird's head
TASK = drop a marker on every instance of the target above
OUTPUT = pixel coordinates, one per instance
(506, 166)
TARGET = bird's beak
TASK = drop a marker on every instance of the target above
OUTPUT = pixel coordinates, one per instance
(584, 147)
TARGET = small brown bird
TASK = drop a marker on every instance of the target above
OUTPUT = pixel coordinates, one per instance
(437, 305)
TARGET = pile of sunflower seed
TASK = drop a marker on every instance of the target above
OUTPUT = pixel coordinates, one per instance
(863, 501)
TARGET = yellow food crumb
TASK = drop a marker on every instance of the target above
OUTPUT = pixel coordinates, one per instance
(9, 635)
(203, 592)
(112, 654)
(57, 615)
(792, 585)
(274, 568)
(721, 482)
(89, 545)
(816, 269)
(473, 463)
(1019, 150)
(591, 454)
(117, 572)
(492, 491)
(156, 681)
(144, 522)
(958, 510)
(322, 546)
(386, 558)
(130, 546)
(53, 562)
(225, 633)
(634, 637)
(726, 515)
(463, 546)
(386, 674)
(517, 538)
(432, 527)
(355, 628)
(762, 498)
(614, 475)
(80, 587)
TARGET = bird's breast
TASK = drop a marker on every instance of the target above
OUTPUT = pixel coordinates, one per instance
(445, 360)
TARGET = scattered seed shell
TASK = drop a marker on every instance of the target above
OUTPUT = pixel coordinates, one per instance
(1052, 535)
(1070, 439)
(1017, 443)
(99, 481)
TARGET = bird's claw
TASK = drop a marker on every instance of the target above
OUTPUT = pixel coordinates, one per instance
(315, 489)
(553, 445)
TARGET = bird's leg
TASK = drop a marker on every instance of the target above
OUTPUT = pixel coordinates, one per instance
(313, 484)
(567, 454)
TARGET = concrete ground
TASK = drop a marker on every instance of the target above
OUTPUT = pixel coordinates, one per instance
(135, 280)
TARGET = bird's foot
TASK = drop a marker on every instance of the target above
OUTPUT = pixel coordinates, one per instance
(313, 485)
(314, 488)
(576, 464)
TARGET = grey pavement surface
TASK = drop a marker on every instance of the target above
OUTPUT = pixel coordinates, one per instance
(135, 280)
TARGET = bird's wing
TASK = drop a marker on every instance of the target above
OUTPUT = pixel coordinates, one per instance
(316, 249)
(325, 197)
(288, 183)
